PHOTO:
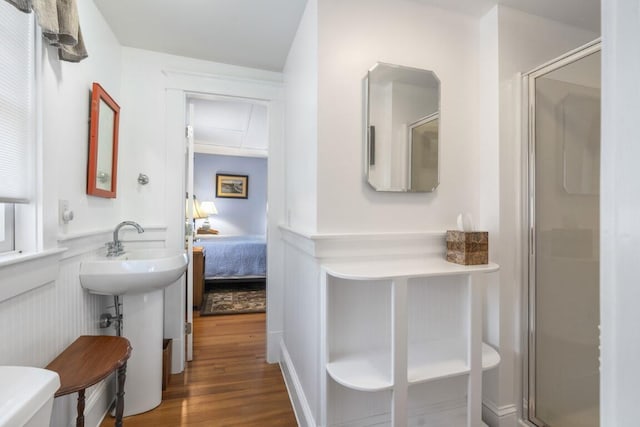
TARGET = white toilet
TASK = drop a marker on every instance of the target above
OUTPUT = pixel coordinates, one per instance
(26, 396)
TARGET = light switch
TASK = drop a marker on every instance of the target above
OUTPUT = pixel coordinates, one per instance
(65, 214)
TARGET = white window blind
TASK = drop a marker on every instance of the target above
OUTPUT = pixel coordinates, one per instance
(6, 228)
(16, 104)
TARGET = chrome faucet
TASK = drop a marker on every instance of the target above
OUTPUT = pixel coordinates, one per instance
(115, 248)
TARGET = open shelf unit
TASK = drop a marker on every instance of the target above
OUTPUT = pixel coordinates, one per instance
(388, 325)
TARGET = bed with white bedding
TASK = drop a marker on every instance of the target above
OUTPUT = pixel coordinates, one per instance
(233, 257)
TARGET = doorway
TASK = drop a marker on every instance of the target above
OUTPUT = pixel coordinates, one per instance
(562, 328)
(227, 187)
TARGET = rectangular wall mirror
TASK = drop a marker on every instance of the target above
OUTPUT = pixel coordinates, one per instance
(103, 144)
(402, 128)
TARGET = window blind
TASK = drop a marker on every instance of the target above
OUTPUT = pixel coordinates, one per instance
(17, 106)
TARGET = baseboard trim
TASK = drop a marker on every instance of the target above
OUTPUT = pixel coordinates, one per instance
(499, 416)
(301, 407)
(100, 402)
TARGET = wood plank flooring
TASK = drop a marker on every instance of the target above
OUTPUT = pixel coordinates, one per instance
(228, 383)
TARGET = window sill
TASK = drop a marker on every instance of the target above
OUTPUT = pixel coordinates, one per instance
(20, 273)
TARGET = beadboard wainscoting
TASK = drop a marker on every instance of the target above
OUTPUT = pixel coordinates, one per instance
(39, 324)
(301, 345)
(304, 336)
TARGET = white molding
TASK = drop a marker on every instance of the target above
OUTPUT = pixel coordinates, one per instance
(273, 346)
(89, 241)
(99, 402)
(501, 411)
(173, 73)
(224, 85)
(499, 416)
(298, 399)
(327, 246)
(207, 148)
(23, 273)
(431, 414)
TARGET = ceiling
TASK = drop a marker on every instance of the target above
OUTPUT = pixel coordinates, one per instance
(258, 33)
(583, 14)
(250, 33)
(230, 126)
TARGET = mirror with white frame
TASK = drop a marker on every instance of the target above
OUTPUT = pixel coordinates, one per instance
(402, 128)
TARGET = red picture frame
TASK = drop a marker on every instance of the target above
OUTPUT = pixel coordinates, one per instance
(102, 168)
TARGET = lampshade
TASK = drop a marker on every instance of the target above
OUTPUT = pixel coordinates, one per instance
(198, 212)
(209, 208)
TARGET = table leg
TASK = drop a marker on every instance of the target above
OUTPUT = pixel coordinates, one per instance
(122, 373)
(80, 417)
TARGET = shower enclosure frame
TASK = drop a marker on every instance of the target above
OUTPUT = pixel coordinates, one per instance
(529, 292)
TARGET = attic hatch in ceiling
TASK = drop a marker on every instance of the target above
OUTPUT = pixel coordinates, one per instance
(230, 127)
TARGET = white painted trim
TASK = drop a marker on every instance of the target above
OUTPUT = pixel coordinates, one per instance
(299, 402)
(89, 241)
(227, 77)
(206, 148)
(203, 83)
(178, 86)
(24, 272)
(99, 403)
(85, 234)
(503, 416)
(453, 409)
(327, 246)
(273, 346)
(500, 411)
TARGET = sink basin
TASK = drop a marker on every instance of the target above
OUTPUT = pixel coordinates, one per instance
(134, 272)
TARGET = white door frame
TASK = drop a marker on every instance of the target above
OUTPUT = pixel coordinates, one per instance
(179, 85)
(189, 240)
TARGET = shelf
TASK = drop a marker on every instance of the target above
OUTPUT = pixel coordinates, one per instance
(428, 361)
(363, 371)
(404, 268)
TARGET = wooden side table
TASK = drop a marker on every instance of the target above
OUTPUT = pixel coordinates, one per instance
(198, 275)
(89, 360)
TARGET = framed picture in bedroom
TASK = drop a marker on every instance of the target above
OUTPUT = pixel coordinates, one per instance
(232, 186)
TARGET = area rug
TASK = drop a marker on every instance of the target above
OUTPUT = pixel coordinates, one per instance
(234, 299)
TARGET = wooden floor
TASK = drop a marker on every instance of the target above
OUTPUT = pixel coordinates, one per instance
(228, 383)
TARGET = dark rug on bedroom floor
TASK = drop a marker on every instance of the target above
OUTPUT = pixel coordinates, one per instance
(234, 299)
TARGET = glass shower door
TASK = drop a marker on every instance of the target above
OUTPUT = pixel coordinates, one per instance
(564, 258)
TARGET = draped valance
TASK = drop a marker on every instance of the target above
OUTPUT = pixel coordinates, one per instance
(60, 25)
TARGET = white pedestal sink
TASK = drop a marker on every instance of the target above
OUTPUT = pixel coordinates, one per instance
(140, 277)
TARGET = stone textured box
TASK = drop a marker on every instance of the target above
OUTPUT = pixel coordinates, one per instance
(468, 247)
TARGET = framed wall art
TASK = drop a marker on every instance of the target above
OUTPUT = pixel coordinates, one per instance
(232, 186)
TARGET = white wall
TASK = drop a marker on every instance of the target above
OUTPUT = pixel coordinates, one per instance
(38, 325)
(301, 81)
(65, 101)
(144, 81)
(353, 36)
(619, 204)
